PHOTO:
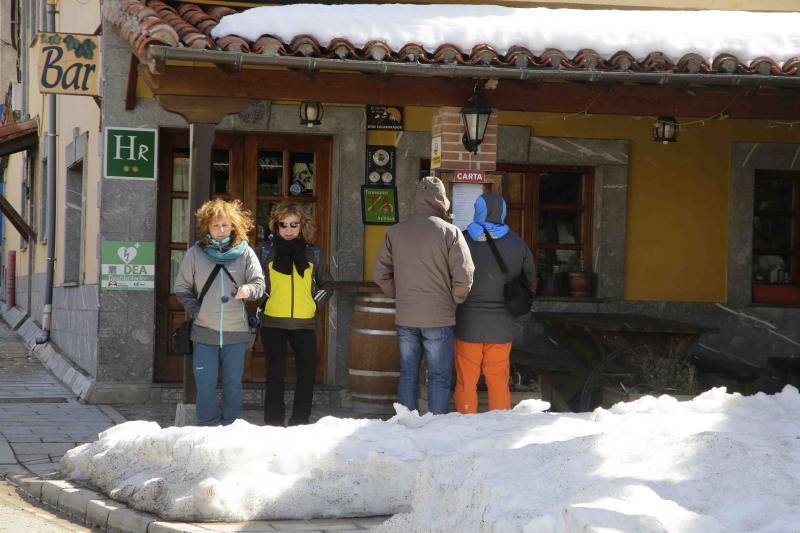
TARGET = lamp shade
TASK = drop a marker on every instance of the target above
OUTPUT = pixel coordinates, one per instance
(310, 114)
(665, 130)
(474, 117)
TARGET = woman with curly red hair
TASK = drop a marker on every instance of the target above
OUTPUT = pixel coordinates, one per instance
(217, 274)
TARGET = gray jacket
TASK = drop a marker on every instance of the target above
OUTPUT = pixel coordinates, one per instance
(483, 317)
(217, 322)
(424, 263)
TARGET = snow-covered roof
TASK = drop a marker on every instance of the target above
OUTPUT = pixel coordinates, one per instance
(537, 38)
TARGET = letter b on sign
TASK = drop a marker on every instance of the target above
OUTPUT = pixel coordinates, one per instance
(131, 153)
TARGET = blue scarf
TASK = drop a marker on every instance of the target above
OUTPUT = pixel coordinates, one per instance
(475, 229)
(222, 254)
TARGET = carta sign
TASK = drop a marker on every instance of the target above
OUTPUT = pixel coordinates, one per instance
(68, 63)
(130, 153)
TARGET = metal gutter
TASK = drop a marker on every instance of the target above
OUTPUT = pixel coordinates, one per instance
(47, 312)
(158, 55)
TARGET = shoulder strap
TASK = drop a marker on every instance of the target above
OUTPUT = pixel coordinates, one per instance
(497, 257)
(266, 252)
(316, 254)
(209, 281)
(236, 285)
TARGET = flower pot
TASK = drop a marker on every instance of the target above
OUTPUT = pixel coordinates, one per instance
(580, 284)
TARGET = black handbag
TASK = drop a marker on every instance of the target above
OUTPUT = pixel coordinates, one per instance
(517, 293)
(182, 336)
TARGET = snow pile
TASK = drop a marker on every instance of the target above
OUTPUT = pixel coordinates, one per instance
(746, 35)
(722, 462)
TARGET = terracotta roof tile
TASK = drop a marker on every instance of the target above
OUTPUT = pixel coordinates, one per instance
(145, 22)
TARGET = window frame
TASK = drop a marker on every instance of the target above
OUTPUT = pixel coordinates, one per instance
(79, 165)
(531, 208)
(778, 292)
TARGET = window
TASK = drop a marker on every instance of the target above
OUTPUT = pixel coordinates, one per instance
(73, 225)
(776, 237)
(26, 194)
(551, 208)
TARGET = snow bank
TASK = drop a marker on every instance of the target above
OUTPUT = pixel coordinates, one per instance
(721, 462)
(746, 35)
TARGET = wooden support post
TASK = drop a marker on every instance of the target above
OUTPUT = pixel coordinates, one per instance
(201, 141)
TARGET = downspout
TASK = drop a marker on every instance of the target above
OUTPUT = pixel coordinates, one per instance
(47, 312)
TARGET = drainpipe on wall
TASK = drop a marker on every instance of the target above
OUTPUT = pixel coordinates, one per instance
(47, 312)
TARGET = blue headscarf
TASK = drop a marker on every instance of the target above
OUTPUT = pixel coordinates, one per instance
(490, 213)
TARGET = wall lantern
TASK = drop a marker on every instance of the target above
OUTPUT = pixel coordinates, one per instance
(665, 130)
(310, 114)
(474, 116)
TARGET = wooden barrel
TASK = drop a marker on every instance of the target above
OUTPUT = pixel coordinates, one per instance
(374, 357)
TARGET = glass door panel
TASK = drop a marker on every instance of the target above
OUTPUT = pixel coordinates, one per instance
(301, 165)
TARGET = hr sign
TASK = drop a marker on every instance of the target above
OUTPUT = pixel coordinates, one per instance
(130, 153)
(68, 63)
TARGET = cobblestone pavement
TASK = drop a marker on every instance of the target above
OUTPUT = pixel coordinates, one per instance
(40, 419)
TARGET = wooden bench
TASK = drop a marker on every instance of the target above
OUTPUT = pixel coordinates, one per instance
(548, 361)
(728, 365)
(788, 367)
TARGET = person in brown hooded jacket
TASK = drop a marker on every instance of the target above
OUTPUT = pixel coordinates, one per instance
(425, 265)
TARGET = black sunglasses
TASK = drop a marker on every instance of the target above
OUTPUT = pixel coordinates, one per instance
(285, 225)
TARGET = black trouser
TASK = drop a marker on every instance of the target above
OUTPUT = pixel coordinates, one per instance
(304, 344)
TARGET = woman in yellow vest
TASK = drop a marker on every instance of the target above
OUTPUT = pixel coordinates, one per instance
(298, 283)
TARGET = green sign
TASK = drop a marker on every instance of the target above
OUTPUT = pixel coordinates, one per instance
(131, 153)
(378, 205)
(128, 266)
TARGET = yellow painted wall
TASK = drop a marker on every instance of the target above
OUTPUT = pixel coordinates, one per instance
(83, 113)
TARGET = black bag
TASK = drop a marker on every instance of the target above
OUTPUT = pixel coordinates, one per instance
(181, 337)
(517, 293)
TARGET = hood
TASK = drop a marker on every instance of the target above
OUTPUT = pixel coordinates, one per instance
(490, 215)
(490, 207)
(431, 198)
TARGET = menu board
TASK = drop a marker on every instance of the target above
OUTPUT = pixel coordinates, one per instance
(464, 187)
(462, 202)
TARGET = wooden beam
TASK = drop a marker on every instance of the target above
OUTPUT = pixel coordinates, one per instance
(133, 78)
(16, 219)
(202, 109)
(511, 95)
(201, 143)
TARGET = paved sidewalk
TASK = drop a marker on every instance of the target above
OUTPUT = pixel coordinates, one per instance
(40, 419)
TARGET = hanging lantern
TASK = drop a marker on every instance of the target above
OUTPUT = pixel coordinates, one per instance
(474, 116)
(665, 130)
(310, 114)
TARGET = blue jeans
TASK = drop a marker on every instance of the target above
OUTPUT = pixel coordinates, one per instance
(437, 344)
(206, 360)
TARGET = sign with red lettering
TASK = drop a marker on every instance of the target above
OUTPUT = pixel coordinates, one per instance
(68, 63)
(475, 176)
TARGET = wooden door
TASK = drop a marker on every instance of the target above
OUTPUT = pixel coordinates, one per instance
(296, 169)
(260, 171)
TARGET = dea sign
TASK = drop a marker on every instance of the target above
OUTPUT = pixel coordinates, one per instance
(130, 153)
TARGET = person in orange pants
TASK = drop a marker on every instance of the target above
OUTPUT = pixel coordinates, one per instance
(472, 358)
(484, 326)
